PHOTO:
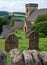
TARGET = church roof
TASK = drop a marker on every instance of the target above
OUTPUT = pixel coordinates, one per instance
(35, 13)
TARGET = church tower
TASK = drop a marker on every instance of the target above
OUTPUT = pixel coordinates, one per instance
(30, 8)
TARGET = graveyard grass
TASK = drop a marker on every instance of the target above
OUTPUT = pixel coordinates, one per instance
(23, 44)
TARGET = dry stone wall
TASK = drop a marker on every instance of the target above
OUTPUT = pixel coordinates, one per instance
(28, 57)
(16, 57)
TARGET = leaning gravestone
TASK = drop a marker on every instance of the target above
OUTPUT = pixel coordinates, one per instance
(33, 40)
(11, 42)
(3, 59)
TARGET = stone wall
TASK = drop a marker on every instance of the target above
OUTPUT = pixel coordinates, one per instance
(6, 30)
(28, 57)
(18, 25)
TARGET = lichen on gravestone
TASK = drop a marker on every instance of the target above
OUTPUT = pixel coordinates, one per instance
(11, 42)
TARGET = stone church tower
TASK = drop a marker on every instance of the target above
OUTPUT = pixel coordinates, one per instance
(30, 8)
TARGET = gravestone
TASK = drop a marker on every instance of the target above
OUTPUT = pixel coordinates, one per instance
(33, 40)
(3, 59)
(11, 42)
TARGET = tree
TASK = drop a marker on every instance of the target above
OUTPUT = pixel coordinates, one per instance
(41, 18)
(40, 27)
(2, 22)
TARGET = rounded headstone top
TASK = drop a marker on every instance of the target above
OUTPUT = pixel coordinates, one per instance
(11, 42)
(12, 34)
(33, 33)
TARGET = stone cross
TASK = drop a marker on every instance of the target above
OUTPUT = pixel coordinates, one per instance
(33, 40)
(11, 42)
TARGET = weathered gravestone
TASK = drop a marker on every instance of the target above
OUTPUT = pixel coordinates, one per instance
(3, 59)
(11, 42)
(33, 40)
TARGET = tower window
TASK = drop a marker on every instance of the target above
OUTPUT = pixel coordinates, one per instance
(27, 10)
(25, 28)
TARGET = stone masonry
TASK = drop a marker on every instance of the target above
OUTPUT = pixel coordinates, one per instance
(6, 30)
(28, 57)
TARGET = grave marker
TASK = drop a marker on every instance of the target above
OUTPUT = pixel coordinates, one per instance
(11, 42)
(3, 59)
(33, 40)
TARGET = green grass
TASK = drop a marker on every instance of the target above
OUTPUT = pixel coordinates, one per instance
(43, 44)
(23, 44)
(23, 41)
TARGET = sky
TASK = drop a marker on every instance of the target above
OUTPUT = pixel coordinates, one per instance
(19, 5)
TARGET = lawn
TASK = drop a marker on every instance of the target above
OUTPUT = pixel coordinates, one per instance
(23, 44)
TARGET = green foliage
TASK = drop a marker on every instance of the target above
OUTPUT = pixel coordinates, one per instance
(42, 35)
(19, 19)
(23, 44)
(40, 27)
(41, 18)
(2, 22)
(15, 19)
(12, 21)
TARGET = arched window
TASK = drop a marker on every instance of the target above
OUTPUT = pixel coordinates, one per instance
(27, 10)
(25, 28)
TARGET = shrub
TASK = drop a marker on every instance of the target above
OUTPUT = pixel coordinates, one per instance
(42, 35)
(41, 18)
(40, 27)
(2, 22)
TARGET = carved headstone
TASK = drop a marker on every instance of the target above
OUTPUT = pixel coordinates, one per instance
(33, 40)
(3, 59)
(11, 42)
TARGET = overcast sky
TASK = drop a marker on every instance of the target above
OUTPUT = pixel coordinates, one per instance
(19, 5)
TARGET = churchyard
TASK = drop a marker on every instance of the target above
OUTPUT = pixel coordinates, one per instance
(23, 44)
(23, 41)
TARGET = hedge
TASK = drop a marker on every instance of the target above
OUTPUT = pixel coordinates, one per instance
(41, 18)
(40, 27)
